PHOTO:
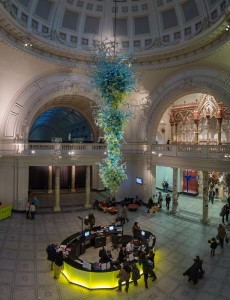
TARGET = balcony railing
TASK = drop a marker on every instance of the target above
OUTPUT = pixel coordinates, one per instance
(48, 149)
(199, 151)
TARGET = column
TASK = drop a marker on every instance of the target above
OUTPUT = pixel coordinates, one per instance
(87, 188)
(171, 122)
(196, 121)
(219, 121)
(172, 134)
(50, 183)
(205, 197)
(153, 173)
(57, 189)
(225, 184)
(175, 191)
(219, 116)
(97, 183)
(176, 134)
(200, 182)
(73, 176)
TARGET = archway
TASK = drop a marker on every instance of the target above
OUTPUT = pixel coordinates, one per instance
(64, 123)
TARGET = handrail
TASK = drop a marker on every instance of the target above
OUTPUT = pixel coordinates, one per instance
(179, 150)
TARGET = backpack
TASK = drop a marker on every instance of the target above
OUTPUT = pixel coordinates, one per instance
(127, 269)
(136, 273)
(222, 212)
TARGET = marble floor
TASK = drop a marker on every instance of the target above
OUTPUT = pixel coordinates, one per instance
(25, 272)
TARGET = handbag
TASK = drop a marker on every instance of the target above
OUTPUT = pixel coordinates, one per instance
(226, 240)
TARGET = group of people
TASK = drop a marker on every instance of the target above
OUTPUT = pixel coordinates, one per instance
(218, 240)
(165, 186)
(158, 204)
(130, 269)
(31, 208)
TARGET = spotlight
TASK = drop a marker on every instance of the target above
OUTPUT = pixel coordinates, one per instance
(27, 43)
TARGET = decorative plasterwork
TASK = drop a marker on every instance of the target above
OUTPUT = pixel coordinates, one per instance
(70, 90)
(208, 106)
(201, 45)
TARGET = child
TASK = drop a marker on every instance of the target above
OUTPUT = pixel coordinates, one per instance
(213, 246)
(135, 274)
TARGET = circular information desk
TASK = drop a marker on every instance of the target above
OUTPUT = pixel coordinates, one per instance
(87, 274)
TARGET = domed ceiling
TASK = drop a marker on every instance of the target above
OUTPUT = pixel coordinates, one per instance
(70, 28)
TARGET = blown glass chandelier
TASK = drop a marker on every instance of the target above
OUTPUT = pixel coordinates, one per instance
(114, 79)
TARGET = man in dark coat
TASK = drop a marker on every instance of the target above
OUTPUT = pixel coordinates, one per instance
(193, 272)
(167, 199)
(51, 251)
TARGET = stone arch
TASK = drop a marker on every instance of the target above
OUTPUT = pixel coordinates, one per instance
(51, 90)
(197, 80)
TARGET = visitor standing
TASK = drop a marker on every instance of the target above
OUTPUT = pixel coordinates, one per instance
(167, 199)
(58, 265)
(32, 210)
(211, 196)
(146, 266)
(193, 272)
(92, 220)
(27, 208)
(213, 245)
(124, 275)
(135, 274)
(166, 186)
(217, 189)
(150, 204)
(221, 234)
(51, 251)
(36, 202)
(124, 214)
(151, 257)
(223, 212)
(160, 200)
(136, 229)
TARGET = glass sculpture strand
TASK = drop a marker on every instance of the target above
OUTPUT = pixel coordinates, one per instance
(113, 78)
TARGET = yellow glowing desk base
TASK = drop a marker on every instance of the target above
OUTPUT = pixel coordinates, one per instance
(92, 280)
(5, 211)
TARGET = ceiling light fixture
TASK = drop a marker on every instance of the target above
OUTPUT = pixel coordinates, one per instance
(26, 42)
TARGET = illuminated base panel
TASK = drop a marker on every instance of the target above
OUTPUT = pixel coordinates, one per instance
(93, 280)
(5, 211)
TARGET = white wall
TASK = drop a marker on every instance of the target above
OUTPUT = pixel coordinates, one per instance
(166, 174)
(129, 188)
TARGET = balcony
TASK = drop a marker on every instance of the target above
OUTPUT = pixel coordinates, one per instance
(204, 152)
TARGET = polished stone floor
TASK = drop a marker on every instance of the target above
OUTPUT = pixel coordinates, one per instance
(25, 272)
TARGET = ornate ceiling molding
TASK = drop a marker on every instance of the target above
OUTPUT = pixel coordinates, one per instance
(156, 56)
